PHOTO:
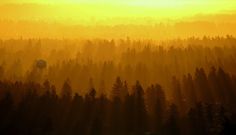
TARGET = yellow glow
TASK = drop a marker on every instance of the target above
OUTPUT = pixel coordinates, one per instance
(116, 18)
(85, 10)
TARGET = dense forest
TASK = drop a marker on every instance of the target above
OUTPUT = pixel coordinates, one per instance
(118, 87)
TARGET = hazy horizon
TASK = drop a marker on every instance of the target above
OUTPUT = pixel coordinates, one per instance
(92, 12)
(149, 19)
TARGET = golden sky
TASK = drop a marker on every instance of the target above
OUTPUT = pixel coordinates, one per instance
(116, 18)
(90, 10)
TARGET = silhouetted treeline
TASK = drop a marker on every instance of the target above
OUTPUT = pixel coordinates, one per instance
(201, 104)
(98, 62)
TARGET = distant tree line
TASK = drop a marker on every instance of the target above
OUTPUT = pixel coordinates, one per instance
(98, 62)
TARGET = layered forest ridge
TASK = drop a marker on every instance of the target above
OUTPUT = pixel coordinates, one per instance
(118, 87)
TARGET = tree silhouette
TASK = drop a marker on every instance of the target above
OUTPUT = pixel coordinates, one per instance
(140, 113)
(35, 108)
(189, 89)
(172, 126)
(177, 94)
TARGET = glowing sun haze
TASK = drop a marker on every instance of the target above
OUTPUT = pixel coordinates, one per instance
(77, 10)
(116, 18)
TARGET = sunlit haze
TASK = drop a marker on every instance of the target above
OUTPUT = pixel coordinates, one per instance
(117, 67)
(158, 19)
(91, 11)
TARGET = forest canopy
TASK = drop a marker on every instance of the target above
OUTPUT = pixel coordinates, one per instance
(118, 86)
